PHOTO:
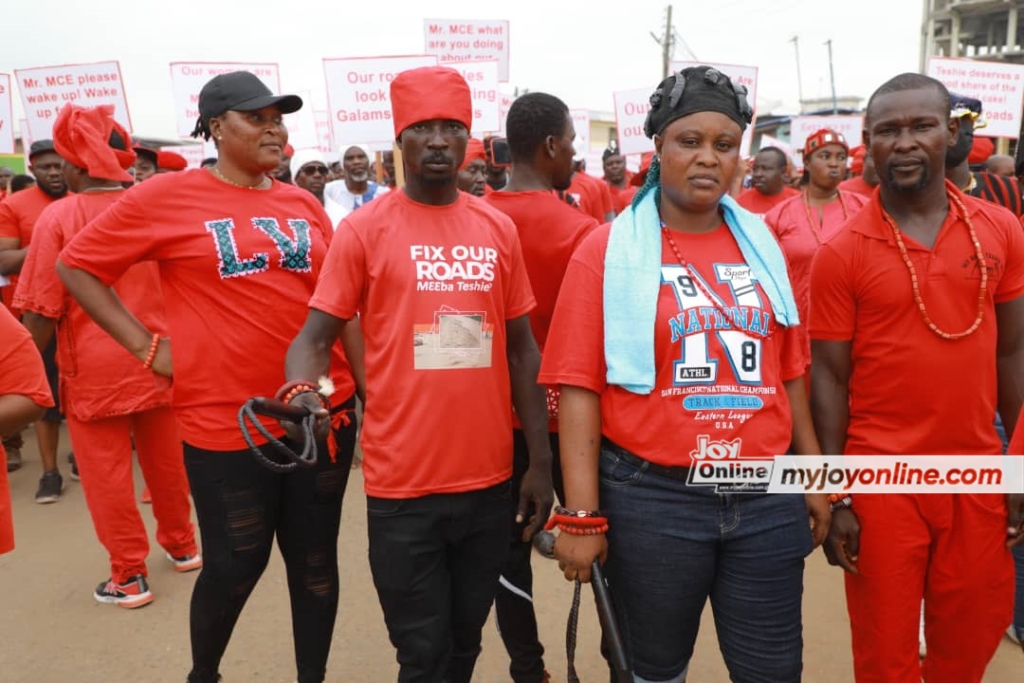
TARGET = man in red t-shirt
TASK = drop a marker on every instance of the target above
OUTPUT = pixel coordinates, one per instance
(617, 177)
(540, 136)
(924, 279)
(438, 281)
(590, 195)
(18, 214)
(768, 182)
(24, 395)
(113, 402)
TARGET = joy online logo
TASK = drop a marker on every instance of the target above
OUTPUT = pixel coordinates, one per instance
(718, 464)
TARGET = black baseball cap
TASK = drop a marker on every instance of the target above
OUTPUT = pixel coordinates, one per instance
(41, 147)
(241, 91)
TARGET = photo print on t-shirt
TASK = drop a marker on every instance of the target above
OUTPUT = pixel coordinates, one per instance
(456, 339)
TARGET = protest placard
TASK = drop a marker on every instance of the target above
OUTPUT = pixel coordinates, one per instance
(794, 156)
(581, 122)
(849, 126)
(359, 95)
(302, 124)
(6, 116)
(26, 137)
(322, 121)
(44, 90)
(188, 78)
(631, 107)
(458, 40)
(482, 78)
(999, 87)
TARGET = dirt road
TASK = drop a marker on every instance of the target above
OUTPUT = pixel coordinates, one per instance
(54, 632)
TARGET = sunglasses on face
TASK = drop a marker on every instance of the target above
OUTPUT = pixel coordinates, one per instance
(313, 170)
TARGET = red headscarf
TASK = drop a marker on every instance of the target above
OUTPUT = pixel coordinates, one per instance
(170, 161)
(981, 150)
(820, 138)
(474, 150)
(82, 137)
(428, 93)
(857, 160)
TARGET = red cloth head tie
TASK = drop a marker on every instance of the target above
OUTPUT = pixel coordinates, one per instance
(82, 137)
(429, 93)
(474, 151)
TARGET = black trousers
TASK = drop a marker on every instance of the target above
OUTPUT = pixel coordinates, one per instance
(513, 604)
(242, 506)
(435, 562)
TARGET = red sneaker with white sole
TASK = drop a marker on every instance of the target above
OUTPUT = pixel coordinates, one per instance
(186, 563)
(131, 594)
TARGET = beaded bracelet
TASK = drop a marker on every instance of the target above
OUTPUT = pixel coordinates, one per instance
(559, 510)
(576, 522)
(290, 390)
(837, 501)
(583, 531)
(153, 346)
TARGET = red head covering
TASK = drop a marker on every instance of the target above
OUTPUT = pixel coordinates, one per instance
(857, 160)
(474, 150)
(825, 136)
(170, 161)
(981, 150)
(289, 151)
(640, 177)
(428, 93)
(82, 137)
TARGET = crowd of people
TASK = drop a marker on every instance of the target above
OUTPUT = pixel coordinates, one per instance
(518, 331)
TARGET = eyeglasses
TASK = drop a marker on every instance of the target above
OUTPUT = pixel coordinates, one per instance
(313, 170)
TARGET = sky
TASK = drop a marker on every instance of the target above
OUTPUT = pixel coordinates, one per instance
(580, 51)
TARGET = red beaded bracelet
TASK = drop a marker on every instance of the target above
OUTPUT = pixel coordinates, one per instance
(153, 346)
(583, 531)
(578, 522)
(288, 387)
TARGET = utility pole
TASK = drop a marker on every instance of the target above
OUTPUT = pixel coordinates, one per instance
(667, 43)
(832, 77)
(799, 80)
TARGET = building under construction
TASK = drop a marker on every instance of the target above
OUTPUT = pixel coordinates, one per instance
(976, 29)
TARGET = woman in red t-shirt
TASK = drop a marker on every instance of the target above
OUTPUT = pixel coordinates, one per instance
(681, 366)
(239, 257)
(802, 223)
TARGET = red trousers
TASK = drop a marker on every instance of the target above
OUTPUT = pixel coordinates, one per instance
(103, 451)
(949, 550)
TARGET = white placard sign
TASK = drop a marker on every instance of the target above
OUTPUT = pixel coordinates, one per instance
(45, 90)
(581, 122)
(1000, 87)
(740, 75)
(769, 141)
(188, 78)
(504, 104)
(631, 107)
(302, 124)
(850, 127)
(359, 96)
(6, 116)
(323, 131)
(26, 138)
(193, 153)
(460, 40)
(482, 78)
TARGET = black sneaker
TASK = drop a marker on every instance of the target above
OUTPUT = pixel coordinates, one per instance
(131, 594)
(74, 467)
(13, 459)
(51, 486)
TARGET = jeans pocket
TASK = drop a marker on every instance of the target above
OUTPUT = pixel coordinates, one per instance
(384, 507)
(617, 472)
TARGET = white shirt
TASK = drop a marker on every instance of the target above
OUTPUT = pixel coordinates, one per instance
(337, 192)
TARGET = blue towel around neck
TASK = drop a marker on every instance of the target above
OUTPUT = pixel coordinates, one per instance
(632, 282)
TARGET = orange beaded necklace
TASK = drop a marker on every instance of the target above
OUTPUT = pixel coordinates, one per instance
(982, 289)
(817, 225)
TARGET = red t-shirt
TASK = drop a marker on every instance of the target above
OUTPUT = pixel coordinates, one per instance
(433, 286)
(22, 373)
(755, 201)
(622, 198)
(856, 185)
(18, 214)
(911, 391)
(591, 195)
(549, 232)
(237, 267)
(99, 378)
(739, 393)
(799, 240)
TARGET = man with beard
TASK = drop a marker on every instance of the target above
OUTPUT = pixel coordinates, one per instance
(310, 171)
(1001, 190)
(922, 279)
(18, 215)
(356, 188)
(445, 362)
(540, 138)
(768, 182)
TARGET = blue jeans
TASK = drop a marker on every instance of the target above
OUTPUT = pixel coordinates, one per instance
(672, 546)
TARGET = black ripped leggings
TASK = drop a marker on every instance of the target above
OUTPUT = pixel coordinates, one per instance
(241, 505)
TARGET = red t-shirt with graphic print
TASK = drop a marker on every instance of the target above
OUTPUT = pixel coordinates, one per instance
(715, 384)
(237, 267)
(434, 286)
